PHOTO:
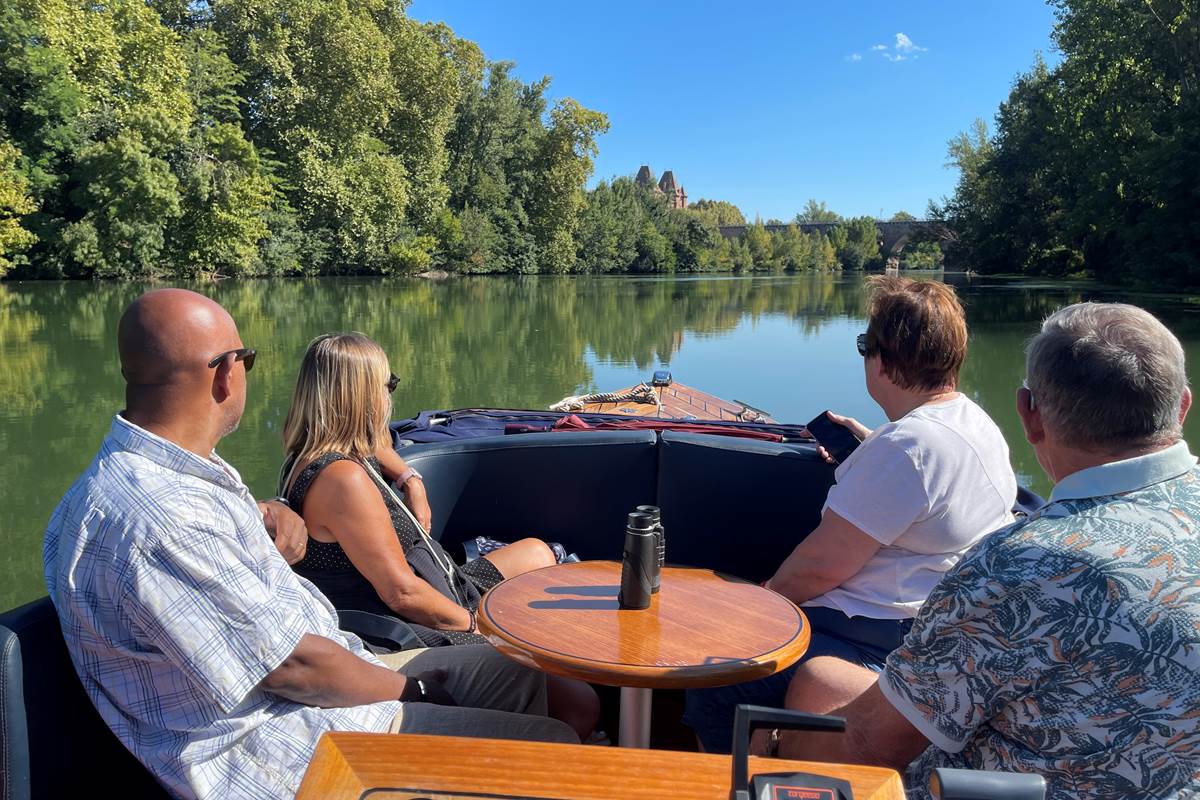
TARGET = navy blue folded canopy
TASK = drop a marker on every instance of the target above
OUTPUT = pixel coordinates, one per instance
(466, 423)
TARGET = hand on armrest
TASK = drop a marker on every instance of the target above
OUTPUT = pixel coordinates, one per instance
(286, 528)
(394, 468)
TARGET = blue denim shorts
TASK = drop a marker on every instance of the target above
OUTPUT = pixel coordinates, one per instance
(859, 640)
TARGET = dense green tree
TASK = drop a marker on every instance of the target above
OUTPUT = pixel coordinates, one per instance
(15, 203)
(859, 247)
(563, 163)
(654, 252)
(758, 241)
(693, 238)
(97, 103)
(824, 253)
(718, 212)
(323, 96)
(785, 249)
(922, 255)
(1095, 164)
(817, 212)
(902, 216)
(228, 197)
(609, 227)
(524, 168)
(129, 196)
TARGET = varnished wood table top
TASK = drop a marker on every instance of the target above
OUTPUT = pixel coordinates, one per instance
(401, 767)
(701, 629)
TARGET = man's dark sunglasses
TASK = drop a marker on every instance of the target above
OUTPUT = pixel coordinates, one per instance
(861, 341)
(245, 354)
(393, 382)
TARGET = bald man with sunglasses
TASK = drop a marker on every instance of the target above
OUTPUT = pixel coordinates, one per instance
(210, 659)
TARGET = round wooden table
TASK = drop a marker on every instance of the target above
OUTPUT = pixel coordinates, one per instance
(701, 629)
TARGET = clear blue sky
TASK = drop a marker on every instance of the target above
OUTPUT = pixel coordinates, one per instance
(768, 104)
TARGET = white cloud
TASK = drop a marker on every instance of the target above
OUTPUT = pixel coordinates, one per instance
(905, 49)
(854, 57)
(907, 45)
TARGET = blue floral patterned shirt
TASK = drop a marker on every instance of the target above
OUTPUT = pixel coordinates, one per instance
(175, 606)
(1068, 644)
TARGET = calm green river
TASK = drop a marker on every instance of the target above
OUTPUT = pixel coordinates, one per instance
(781, 343)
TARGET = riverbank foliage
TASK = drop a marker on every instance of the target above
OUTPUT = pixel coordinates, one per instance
(626, 227)
(199, 138)
(1094, 165)
(174, 138)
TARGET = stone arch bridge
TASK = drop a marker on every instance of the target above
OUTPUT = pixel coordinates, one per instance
(892, 235)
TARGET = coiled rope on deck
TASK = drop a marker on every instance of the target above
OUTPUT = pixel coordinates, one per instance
(642, 393)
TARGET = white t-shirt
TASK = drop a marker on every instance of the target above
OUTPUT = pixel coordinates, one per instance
(927, 487)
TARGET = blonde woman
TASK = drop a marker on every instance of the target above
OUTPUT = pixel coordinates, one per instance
(366, 550)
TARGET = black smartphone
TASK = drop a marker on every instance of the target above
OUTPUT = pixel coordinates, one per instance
(837, 440)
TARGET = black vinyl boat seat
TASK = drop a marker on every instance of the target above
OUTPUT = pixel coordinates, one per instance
(53, 742)
(737, 505)
(571, 487)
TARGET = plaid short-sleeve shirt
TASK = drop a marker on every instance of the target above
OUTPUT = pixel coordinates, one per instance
(175, 606)
(1068, 644)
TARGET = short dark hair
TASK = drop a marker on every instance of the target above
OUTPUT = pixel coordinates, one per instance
(918, 329)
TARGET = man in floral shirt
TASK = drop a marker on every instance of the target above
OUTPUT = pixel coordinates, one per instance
(1067, 644)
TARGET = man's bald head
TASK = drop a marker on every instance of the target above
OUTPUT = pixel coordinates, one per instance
(168, 334)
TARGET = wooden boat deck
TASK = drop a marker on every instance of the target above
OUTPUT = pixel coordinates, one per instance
(682, 402)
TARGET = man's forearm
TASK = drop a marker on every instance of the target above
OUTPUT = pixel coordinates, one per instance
(876, 734)
(320, 672)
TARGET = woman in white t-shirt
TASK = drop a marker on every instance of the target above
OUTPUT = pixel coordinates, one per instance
(908, 503)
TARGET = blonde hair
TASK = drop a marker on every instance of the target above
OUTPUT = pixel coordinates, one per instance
(341, 403)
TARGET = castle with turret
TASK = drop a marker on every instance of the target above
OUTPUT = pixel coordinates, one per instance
(675, 193)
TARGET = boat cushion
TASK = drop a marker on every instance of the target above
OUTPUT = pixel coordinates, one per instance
(736, 505)
(573, 488)
(53, 742)
(14, 741)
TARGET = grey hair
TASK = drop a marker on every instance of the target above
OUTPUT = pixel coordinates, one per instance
(1107, 376)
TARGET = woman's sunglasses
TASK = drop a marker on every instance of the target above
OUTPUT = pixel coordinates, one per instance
(861, 341)
(392, 383)
(244, 354)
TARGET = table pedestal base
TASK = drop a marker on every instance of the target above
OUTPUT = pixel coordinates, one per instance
(635, 717)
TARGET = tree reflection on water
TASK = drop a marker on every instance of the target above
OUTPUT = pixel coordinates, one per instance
(786, 344)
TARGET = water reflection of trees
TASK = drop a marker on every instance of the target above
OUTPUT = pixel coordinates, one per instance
(469, 341)
(466, 341)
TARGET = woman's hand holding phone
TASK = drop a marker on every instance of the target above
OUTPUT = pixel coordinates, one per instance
(859, 430)
(856, 429)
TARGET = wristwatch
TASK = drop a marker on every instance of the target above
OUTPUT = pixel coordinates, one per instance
(408, 475)
(409, 697)
(773, 737)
